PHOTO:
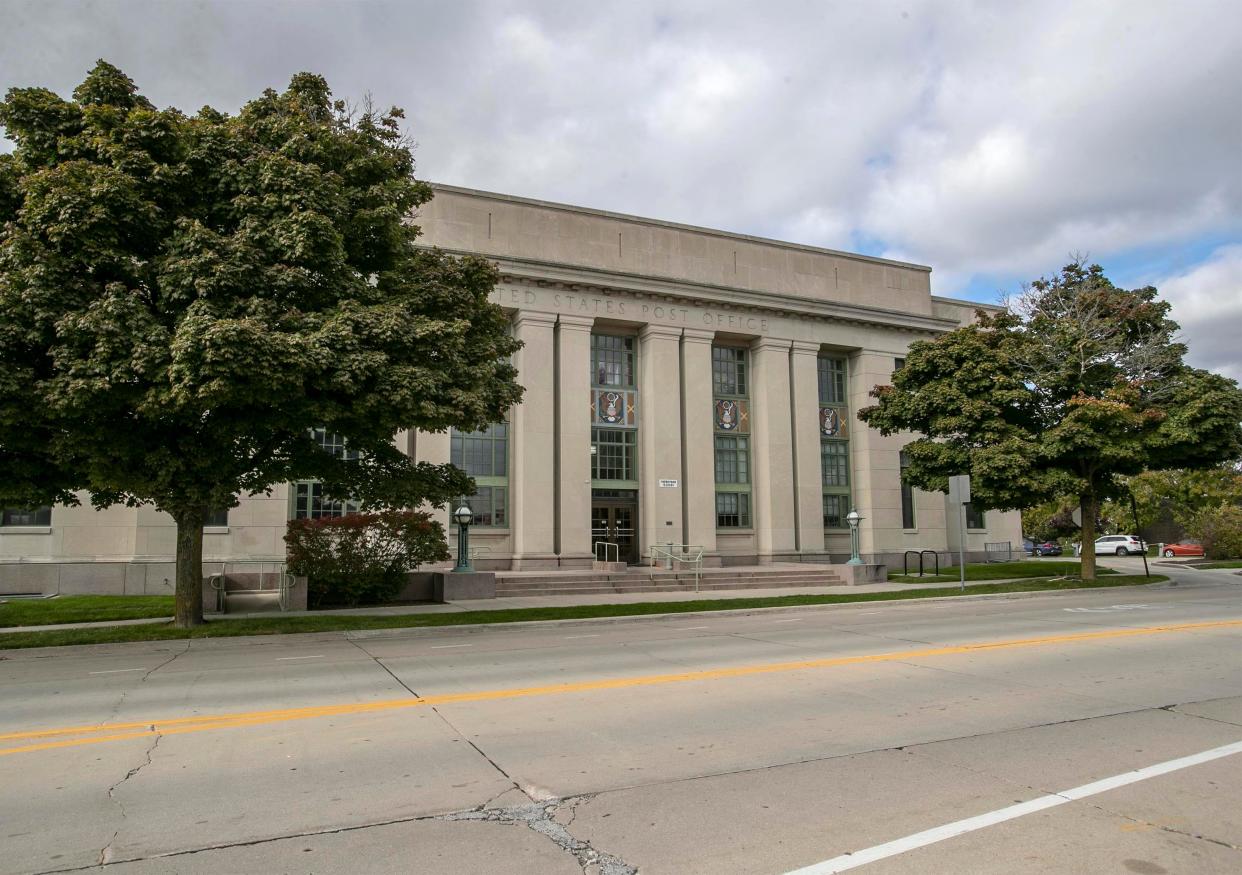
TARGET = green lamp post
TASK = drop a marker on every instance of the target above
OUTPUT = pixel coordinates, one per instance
(854, 519)
(464, 516)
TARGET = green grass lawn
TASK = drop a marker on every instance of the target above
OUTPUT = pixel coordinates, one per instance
(278, 625)
(1225, 563)
(83, 609)
(1000, 571)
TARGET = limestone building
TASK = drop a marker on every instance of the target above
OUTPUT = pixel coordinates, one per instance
(683, 386)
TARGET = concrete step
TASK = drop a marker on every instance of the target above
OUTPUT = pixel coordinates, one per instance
(647, 583)
(251, 602)
(681, 586)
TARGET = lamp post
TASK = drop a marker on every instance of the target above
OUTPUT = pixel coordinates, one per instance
(464, 517)
(854, 519)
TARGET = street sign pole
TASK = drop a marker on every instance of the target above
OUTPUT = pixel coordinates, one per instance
(959, 494)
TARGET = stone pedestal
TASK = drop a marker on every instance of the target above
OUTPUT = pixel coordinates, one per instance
(855, 575)
(449, 586)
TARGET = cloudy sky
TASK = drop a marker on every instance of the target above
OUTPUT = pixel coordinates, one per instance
(989, 140)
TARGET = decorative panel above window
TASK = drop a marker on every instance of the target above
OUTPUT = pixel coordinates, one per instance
(732, 415)
(614, 408)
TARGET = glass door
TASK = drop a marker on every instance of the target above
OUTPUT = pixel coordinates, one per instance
(615, 524)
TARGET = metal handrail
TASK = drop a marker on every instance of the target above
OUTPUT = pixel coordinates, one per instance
(616, 551)
(666, 550)
(282, 583)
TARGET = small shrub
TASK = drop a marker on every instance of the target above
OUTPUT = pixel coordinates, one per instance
(1220, 530)
(363, 558)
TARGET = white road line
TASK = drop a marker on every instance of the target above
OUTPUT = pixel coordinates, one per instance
(281, 658)
(568, 637)
(690, 628)
(794, 620)
(970, 824)
(117, 670)
(445, 646)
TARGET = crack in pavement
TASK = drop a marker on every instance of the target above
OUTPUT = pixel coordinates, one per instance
(541, 818)
(125, 692)
(516, 786)
(105, 853)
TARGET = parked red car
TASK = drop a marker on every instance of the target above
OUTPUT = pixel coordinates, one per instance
(1186, 548)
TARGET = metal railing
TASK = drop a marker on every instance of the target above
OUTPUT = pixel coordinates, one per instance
(998, 551)
(691, 554)
(616, 551)
(277, 580)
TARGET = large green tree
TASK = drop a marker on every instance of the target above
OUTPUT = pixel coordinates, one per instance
(183, 299)
(1077, 383)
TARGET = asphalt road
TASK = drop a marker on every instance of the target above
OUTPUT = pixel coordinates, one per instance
(997, 735)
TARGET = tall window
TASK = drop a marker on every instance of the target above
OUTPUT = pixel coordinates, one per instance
(616, 454)
(731, 415)
(729, 371)
(309, 501)
(975, 518)
(907, 494)
(612, 361)
(732, 459)
(216, 519)
(16, 516)
(834, 447)
(614, 437)
(832, 380)
(484, 455)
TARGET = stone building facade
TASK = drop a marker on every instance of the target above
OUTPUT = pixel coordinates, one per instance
(683, 385)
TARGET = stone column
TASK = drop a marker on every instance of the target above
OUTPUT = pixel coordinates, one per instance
(532, 482)
(772, 443)
(573, 441)
(698, 483)
(659, 437)
(875, 476)
(808, 484)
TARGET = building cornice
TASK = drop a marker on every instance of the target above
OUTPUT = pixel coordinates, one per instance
(574, 278)
(677, 226)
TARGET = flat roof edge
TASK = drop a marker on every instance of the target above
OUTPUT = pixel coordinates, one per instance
(999, 308)
(680, 226)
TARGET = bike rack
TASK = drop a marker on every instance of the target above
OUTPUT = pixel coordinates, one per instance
(905, 561)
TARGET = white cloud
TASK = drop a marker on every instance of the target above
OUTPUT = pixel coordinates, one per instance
(1207, 302)
(981, 138)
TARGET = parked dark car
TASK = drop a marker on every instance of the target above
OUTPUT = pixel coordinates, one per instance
(1038, 548)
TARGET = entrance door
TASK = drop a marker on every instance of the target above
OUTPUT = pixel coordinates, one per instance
(616, 524)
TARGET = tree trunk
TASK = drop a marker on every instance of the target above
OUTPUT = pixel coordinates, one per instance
(189, 610)
(1090, 506)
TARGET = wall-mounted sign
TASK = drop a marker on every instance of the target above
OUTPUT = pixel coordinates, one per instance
(670, 484)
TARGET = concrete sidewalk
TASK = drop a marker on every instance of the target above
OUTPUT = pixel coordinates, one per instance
(556, 601)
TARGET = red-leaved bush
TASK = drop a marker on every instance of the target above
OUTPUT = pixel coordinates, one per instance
(362, 558)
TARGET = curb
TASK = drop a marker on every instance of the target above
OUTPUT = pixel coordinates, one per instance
(523, 625)
(518, 625)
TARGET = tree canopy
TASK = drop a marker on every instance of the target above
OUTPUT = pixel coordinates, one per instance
(1077, 383)
(184, 299)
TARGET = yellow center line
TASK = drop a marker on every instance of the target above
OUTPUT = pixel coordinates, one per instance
(73, 736)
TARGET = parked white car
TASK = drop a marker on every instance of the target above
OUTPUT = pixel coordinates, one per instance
(1118, 545)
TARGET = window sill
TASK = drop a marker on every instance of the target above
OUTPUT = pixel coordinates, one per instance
(215, 530)
(909, 531)
(733, 531)
(970, 531)
(25, 530)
